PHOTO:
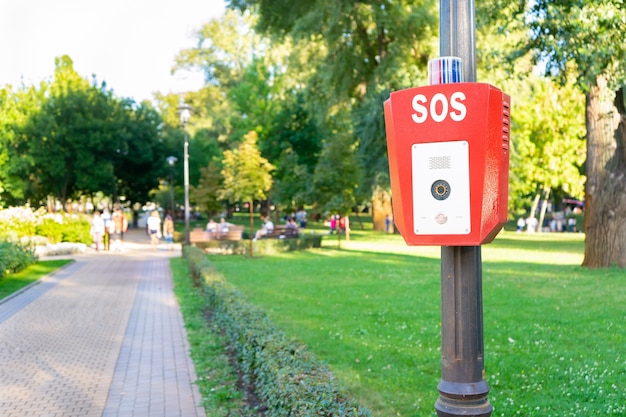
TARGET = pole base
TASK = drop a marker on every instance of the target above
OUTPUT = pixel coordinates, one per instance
(463, 399)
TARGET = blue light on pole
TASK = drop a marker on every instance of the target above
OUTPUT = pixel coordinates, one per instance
(171, 160)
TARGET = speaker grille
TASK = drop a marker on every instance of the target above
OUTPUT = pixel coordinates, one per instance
(439, 162)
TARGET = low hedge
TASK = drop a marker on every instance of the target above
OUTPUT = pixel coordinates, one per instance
(14, 257)
(285, 375)
(260, 247)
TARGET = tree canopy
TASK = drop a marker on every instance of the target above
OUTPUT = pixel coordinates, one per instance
(583, 40)
(70, 138)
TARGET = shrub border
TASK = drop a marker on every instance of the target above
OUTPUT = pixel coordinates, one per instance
(285, 375)
(260, 247)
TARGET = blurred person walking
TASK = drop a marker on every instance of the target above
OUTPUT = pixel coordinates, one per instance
(154, 229)
(97, 230)
(168, 232)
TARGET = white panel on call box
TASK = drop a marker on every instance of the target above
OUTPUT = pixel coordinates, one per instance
(441, 190)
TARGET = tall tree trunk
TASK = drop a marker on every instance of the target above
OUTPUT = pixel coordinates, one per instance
(605, 190)
(381, 208)
(544, 208)
(251, 227)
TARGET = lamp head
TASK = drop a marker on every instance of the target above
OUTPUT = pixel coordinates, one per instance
(184, 111)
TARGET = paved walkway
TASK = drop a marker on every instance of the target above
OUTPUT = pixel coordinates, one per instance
(102, 337)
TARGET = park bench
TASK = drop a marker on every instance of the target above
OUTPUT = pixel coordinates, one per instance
(281, 232)
(200, 235)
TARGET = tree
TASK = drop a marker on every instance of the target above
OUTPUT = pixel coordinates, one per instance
(247, 176)
(225, 48)
(16, 108)
(206, 194)
(548, 140)
(69, 139)
(242, 86)
(292, 186)
(336, 176)
(585, 38)
(139, 158)
(349, 55)
(293, 146)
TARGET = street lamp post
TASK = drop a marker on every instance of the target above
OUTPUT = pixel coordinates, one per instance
(171, 160)
(185, 113)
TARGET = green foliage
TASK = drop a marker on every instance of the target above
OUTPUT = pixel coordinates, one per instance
(324, 61)
(294, 132)
(50, 229)
(583, 41)
(583, 37)
(200, 267)
(293, 185)
(76, 230)
(206, 193)
(369, 127)
(14, 257)
(67, 138)
(361, 43)
(293, 146)
(139, 154)
(246, 173)
(548, 148)
(15, 110)
(226, 47)
(19, 223)
(260, 247)
(336, 176)
(274, 246)
(285, 374)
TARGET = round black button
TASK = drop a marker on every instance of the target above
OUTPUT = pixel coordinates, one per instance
(440, 189)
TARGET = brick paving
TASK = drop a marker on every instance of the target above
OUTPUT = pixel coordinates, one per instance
(102, 337)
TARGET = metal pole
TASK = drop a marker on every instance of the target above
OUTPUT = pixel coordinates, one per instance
(172, 193)
(186, 167)
(457, 34)
(462, 389)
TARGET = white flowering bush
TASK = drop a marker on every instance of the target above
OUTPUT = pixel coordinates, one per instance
(26, 234)
(17, 222)
(63, 248)
(24, 223)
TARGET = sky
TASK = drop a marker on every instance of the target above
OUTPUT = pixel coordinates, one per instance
(129, 44)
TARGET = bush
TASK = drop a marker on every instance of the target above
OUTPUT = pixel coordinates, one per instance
(23, 224)
(273, 246)
(76, 230)
(50, 229)
(285, 375)
(18, 222)
(57, 228)
(14, 257)
(261, 247)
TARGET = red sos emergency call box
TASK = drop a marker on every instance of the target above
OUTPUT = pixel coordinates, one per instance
(448, 148)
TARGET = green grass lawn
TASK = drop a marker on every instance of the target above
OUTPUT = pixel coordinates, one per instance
(554, 332)
(15, 282)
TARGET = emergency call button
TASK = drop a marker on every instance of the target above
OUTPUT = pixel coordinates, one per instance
(441, 188)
